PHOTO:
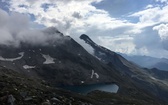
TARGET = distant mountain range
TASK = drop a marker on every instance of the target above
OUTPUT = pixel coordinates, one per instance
(68, 63)
(148, 62)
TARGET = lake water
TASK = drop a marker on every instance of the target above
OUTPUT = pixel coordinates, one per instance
(84, 89)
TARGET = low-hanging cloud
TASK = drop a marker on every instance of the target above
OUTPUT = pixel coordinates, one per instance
(162, 30)
(15, 29)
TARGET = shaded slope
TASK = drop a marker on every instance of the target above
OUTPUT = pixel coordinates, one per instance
(65, 63)
(141, 79)
(28, 91)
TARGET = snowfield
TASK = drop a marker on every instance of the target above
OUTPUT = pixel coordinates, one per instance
(48, 59)
(12, 59)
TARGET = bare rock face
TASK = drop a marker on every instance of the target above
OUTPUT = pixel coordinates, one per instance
(65, 63)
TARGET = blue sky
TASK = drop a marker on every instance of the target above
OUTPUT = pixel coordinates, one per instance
(134, 27)
(118, 8)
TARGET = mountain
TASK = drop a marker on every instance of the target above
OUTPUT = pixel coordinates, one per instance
(161, 66)
(28, 91)
(149, 62)
(64, 62)
(159, 74)
(141, 78)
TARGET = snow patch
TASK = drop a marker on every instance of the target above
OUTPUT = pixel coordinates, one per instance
(101, 53)
(98, 58)
(49, 59)
(28, 67)
(153, 78)
(82, 82)
(97, 75)
(94, 73)
(12, 59)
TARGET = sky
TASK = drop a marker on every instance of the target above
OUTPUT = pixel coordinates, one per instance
(133, 27)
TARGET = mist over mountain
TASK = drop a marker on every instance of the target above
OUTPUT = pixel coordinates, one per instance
(15, 29)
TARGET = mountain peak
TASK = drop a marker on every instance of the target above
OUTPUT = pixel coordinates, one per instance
(86, 38)
(52, 30)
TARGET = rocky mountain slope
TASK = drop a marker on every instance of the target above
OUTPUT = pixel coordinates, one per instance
(141, 78)
(65, 62)
(28, 91)
(58, 63)
(163, 75)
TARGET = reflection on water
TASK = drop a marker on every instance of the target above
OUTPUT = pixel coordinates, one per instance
(84, 89)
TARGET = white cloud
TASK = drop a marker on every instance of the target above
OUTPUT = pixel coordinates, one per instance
(5, 37)
(15, 28)
(151, 16)
(59, 14)
(152, 30)
(162, 31)
(149, 6)
(75, 17)
(69, 16)
(148, 17)
(123, 44)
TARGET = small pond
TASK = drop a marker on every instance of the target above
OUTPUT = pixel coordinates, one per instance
(84, 89)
